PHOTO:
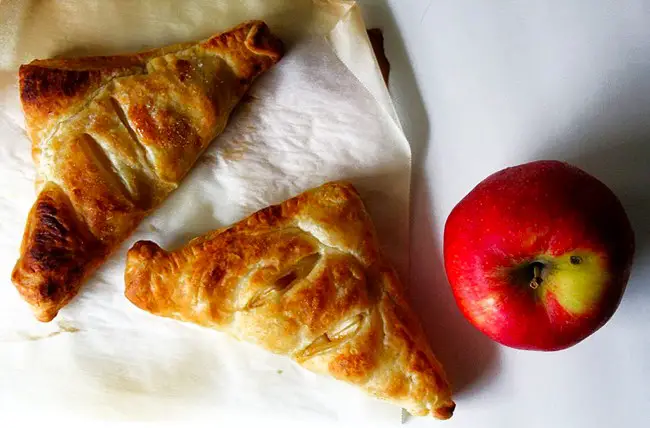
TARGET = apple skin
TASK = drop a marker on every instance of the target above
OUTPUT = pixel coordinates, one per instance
(538, 255)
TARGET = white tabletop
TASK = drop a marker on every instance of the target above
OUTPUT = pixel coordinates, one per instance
(484, 85)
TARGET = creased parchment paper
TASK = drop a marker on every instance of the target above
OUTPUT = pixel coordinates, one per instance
(321, 114)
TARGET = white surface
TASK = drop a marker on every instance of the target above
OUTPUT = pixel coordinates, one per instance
(483, 85)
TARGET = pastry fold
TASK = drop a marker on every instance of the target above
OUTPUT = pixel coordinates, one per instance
(304, 279)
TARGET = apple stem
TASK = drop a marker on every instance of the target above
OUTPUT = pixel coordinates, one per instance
(537, 276)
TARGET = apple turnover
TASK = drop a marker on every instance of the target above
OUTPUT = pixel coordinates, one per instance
(304, 279)
(112, 137)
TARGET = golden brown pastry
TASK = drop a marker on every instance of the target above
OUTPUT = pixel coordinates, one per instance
(112, 137)
(304, 279)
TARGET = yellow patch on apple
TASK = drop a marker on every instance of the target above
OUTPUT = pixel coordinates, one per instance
(576, 280)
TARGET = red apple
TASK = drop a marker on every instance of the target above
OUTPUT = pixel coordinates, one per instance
(538, 255)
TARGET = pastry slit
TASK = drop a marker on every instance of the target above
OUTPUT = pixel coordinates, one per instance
(121, 114)
(342, 333)
(299, 271)
(104, 163)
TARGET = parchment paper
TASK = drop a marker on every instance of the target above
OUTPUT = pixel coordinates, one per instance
(322, 113)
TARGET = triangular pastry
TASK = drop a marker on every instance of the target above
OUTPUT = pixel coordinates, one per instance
(112, 137)
(304, 279)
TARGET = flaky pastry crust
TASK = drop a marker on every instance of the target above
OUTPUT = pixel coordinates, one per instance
(304, 279)
(112, 137)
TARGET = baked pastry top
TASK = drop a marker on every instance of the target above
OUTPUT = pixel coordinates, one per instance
(112, 137)
(304, 279)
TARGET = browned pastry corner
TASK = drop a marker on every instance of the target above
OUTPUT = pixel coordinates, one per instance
(304, 279)
(112, 137)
